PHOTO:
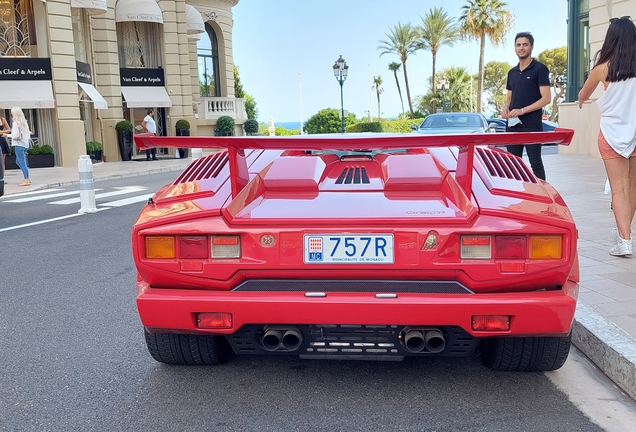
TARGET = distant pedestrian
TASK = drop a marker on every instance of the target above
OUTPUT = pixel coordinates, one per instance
(528, 88)
(21, 140)
(150, 126)
(615, 68)
(4, 145)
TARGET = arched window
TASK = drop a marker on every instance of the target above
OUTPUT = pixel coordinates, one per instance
(208, 56)
(17, 28)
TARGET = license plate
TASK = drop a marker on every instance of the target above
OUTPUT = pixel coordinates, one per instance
(348, 249)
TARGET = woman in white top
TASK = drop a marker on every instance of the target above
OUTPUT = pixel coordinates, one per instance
(616, 69)
(20, 139)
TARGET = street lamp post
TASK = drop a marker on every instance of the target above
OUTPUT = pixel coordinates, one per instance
(443, 85)
(340, 70)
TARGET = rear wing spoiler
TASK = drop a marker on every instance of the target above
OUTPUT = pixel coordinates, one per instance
(236, 146)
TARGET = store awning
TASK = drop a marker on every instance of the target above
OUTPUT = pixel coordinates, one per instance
(26, 94)
(93, 94)
(138, 10)
(146, 97)
(194, 21)
(93, 7)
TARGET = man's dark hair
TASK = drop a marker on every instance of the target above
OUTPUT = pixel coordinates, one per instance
(149, 111)
(526, 35)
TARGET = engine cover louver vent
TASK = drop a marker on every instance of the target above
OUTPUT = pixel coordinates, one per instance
(353, 175)
(505, 165)
(203, 168)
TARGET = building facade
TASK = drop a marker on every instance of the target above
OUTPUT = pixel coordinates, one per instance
(588, 21)
(78, 67)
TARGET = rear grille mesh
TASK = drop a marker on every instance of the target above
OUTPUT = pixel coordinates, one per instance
(505, 165)
(353, 175)
(203, 168)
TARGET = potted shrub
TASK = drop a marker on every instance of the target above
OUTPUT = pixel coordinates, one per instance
(94, 149)
(225, 126)
(124, 130)
(183, 129)
(40, 156)
(250, 127)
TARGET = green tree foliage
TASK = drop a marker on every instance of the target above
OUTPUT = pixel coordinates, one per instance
(327, 121)
(495, 77)
(238, 87)
(481, 18)
(395, 67)
(402, 40)
(556, 61)
(225, 125)
(437, 29)
(377, 82)
(250, 127)
(250, 104)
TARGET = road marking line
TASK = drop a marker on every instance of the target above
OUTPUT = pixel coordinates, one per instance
(125, 191)
(126, 201)
(30, 224)
(43, 197)
(29, 193)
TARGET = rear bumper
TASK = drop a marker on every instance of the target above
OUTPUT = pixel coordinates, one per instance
(532, 313)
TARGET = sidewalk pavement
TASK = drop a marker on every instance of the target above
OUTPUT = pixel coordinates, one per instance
(605, 322)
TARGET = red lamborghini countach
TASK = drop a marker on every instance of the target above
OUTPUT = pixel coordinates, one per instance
(358, 247)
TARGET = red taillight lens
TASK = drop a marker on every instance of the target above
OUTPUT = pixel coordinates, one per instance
(491, 322)
(226, 246)
(193, 247)
(475, 247)
(214, 320)
(510, 247)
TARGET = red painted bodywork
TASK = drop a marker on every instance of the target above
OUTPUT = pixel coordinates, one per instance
(451, 185)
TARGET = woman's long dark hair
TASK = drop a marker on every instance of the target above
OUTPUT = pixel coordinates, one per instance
(619, 49)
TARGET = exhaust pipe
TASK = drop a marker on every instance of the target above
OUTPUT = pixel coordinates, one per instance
(292, 339)
(435, 342)
(414, 341)
(271, 340)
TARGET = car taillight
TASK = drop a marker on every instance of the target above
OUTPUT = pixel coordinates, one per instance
(491, 322)
(160, 247)
(546, 246)
(226, 246)
(475, 247)
(193, 247)
(510, 247)
(214, 320)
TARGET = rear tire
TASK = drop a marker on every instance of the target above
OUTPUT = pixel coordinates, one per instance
(185, 349)
(525, 354)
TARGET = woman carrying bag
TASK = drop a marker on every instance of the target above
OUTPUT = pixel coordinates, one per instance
(20, 139)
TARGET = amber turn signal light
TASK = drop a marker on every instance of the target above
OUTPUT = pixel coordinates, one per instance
(491, 322)
(214, 320)
(546, 247)
(160, 247)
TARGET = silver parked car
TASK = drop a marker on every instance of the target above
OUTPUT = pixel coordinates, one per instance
(454, 123)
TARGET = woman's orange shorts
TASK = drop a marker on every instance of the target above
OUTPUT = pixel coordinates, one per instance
(606, 150)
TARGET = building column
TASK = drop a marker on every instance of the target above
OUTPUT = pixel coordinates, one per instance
(69, 127)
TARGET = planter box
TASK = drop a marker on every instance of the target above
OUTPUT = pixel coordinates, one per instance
(34, 161)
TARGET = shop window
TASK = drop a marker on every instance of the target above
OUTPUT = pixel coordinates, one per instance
(208, 57)
(17, 28)
(140, 44)
(80, 34)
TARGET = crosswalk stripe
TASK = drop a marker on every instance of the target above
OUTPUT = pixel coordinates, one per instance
(124, 191)
(40, 191)
(126, 201)
(43, 197)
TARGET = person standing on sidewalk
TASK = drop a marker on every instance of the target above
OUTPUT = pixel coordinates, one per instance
(20, 139)
(615, 68)
(150, 126)
(4, 145)
(528, 88)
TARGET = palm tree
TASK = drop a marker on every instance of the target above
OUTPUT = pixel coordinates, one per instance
(377, 81)
(458, 92)
(395, 67)
(437, 29)
(403, 42)
(481, 18)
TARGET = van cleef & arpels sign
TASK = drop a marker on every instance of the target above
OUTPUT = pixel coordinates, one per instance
(141, 77)
(25, 68)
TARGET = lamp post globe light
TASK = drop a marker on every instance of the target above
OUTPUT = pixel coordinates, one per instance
(340, 70)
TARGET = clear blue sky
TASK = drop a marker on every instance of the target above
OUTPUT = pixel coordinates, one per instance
(285, 50)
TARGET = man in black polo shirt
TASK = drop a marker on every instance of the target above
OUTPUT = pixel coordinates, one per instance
(528, 92)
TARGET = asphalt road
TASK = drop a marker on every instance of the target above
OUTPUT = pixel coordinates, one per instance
(72, 357)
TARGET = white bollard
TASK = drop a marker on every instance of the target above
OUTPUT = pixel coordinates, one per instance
(87, 189)
(197, 153)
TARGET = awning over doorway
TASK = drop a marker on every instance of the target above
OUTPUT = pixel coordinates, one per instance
(138, 10)
(93, 7)
(146, 97)
(93, 94)
(26, 94)
(194, 21)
